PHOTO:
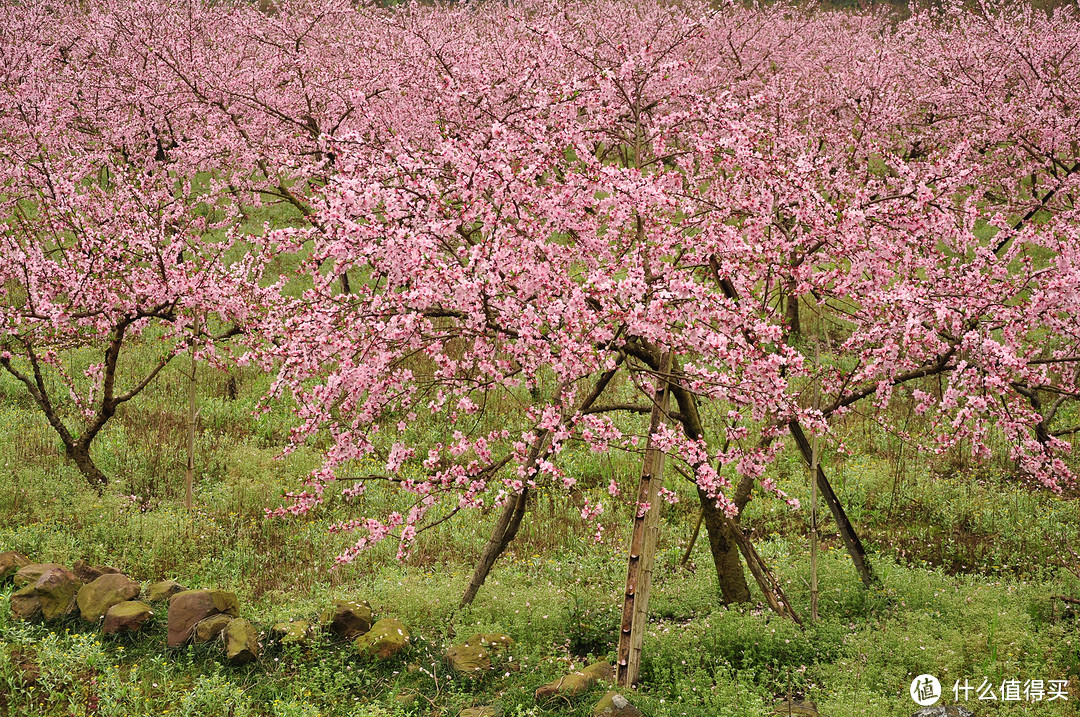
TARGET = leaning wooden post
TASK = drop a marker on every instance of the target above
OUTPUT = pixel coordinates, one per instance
(693, 539)
(643, 541)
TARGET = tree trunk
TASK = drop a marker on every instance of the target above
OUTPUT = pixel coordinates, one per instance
(725, 551)
(80, 454)
(791, 317)
(725, 554)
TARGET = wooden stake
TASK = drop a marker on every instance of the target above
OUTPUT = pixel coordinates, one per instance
(643, 541)
(769, 584)
(693, 539)
(843, 523)
(813, 531)
(189, 474)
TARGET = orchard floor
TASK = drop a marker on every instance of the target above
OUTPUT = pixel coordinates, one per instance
(970, 565)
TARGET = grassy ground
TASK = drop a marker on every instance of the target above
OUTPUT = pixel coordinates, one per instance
(969, 564)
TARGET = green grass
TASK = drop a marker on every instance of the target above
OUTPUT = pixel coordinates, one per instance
(969, 563)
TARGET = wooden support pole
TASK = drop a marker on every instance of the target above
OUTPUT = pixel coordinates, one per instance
(189, 474)
(813, 532)
(693, 539)
(643, 541)
(843, 525)
(769, 584)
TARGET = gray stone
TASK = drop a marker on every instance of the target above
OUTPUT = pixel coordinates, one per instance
(944, 711)
(241, 642)
(126, 616)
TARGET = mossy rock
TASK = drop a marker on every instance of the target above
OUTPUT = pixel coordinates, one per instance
(188, 608)
(241, 642)
(163, 590)
(613, 704)
(298, 632)
(485, 711)
(29, 574)
(576, 683)
(126, 616)
(209, 628)
(796, 708)
(347, 618)
(468, 659)
(25, 604)
(385, 639)
(89, 573)
(496, 642)
(11, 561)
(56, 591)
(95, 599)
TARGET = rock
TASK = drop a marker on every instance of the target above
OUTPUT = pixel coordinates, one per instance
(615, 705)
(944, 711)
(406, 699)
(10, 562)
(209, 628)
(796, 708)
(485, 711)
(468, 659)
(299, 632)
(495, 641)
(126, 616)
(25, 604)
(241, 642)
(576, 683)
(163, 590)
(96, 598)
(29, 574)
(56, 590)
(89, 573)
(347, 619)
(474, 655)
(385, 639)
(47, 589)
(186, 609)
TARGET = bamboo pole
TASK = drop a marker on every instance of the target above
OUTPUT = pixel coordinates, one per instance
(189, 474)
(643, 541)
(813, 532)
(693, 539)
